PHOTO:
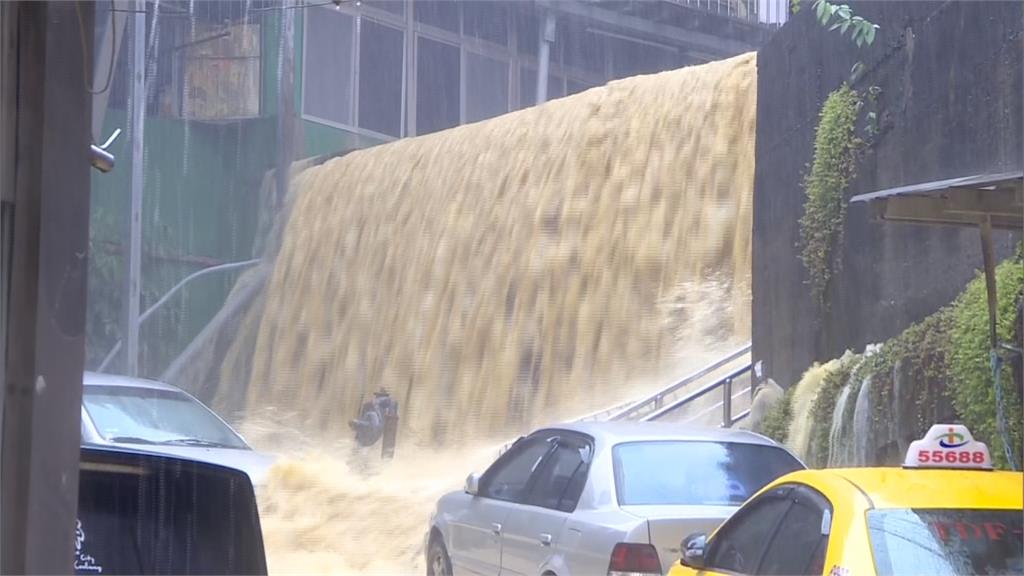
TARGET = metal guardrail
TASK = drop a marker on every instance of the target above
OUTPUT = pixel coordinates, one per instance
(603, 413)
(652, 407)
(725, 384)
(654, 402)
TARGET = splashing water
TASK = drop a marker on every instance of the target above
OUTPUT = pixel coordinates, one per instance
(493, 274)
(798, 437)
(836, 452)
(861, 429)
(329, 508)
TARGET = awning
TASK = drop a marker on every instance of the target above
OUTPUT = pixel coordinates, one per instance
(966, 201)
(986, 201)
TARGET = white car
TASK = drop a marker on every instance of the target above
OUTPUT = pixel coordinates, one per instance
(598, 498)
(157, 417)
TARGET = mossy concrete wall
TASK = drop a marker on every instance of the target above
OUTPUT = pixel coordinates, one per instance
(950, 75)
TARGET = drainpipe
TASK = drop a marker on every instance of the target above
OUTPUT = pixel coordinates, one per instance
(133, 263)
(547, 38)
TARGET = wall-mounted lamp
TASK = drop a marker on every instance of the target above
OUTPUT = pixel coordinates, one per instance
(101, 159)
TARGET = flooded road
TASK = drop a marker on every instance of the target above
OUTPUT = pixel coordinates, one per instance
(330, 515)
(329, 507)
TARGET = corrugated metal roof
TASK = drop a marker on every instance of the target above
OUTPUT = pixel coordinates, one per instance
(980, 181)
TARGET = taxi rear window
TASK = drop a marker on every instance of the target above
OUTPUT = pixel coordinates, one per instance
(946, 542)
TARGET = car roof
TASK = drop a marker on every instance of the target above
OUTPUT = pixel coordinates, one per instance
(88, 449)
(893, 487)
(633, 431)
(936, 488)
(99, 379)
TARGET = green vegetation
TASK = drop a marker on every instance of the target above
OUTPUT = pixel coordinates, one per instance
(974, 393)
(920, 353)
(105, 286)
(835, 153)
(840, 17)
(777, 418)
(836, 148)
(942, 364)
(821, 410)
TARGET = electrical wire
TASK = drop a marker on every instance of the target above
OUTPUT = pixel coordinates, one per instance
(86, 78)
(303, 5)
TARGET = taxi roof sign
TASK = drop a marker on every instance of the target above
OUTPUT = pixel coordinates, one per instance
(948, 446)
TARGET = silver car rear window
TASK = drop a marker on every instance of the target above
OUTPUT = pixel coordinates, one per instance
(695, 472)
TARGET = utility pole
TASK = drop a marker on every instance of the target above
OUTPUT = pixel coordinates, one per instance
(50, 245)
(133, 264)
(285, 101)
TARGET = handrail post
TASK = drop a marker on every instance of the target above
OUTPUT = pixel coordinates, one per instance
(727, 403)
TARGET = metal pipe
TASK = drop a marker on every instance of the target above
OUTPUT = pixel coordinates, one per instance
(103, 160)
(203, 40)
(547, 38)
(181, 284)
(989, 261)
(727, 402)
(133, 265)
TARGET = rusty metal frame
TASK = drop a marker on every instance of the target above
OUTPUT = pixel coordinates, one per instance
(984, 201)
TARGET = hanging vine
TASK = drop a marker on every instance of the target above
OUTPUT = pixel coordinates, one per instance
(835, 153)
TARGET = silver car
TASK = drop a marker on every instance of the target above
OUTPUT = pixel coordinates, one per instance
(158, 417)
(598, 498)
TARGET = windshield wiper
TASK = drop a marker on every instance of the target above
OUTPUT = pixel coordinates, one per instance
(195, 442)
(130, 440)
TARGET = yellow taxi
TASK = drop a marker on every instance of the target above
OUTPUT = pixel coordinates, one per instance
(945, 512)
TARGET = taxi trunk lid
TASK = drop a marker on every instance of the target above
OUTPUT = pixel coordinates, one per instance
(668, 525)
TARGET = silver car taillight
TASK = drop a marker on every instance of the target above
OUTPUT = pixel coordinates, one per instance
(630, 559)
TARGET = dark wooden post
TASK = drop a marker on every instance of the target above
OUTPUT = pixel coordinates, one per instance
(45, 333)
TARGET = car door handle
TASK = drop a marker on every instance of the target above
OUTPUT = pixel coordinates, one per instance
(545, 539)
(496, 529)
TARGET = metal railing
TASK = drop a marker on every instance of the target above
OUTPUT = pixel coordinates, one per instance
(655, 402)
(163, 300)
(653, 407)
(725, 384)
(766, 12)
(603, 413)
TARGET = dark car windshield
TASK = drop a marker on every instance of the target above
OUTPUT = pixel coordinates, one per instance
(696, 473)
(946, 542)
(152, 416)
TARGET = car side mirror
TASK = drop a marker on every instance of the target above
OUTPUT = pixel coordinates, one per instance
(472, 484)
(692, 548)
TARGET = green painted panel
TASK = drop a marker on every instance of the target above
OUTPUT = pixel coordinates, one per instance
(322, 139)
(200, 207)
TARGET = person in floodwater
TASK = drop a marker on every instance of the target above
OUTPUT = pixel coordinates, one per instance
(369, 427)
